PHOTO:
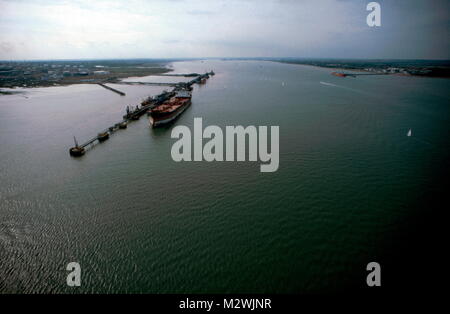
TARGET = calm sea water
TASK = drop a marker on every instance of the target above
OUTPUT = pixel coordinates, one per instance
(138, 222)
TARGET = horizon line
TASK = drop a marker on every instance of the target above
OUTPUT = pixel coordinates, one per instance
(218, 58)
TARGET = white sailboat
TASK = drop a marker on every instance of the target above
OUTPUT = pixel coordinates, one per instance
(409, 133)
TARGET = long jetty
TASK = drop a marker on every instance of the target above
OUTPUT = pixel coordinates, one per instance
(136, 113)
(147, 83)
(112, 89)
(184, 75)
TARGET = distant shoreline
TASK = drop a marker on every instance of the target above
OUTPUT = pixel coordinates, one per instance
(426, 71)
(64, 73)
(323, 67)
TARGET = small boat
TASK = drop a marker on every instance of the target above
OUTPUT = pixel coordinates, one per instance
(338, 74)
(102, 136)
(409, 133)
(123, 125)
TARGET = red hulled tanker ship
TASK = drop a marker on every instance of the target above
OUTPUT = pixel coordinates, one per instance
(170, 109)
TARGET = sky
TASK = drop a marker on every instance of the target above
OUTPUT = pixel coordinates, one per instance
(79, 29)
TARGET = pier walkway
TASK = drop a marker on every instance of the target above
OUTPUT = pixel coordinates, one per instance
(138, 112)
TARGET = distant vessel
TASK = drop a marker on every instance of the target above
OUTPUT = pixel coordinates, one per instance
(338, 74)
(170, 109)
(409, 133)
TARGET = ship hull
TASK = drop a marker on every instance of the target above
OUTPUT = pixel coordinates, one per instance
(157, 120)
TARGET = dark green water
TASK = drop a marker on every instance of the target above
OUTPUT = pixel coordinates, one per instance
(136, 221)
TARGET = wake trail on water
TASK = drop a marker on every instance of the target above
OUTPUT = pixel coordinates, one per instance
(346, 88)
(409, 134)
(328, 84)
(421, 141)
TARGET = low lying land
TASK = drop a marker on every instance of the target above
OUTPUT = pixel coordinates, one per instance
(65, 72)
(427, 68)
(53, 73)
